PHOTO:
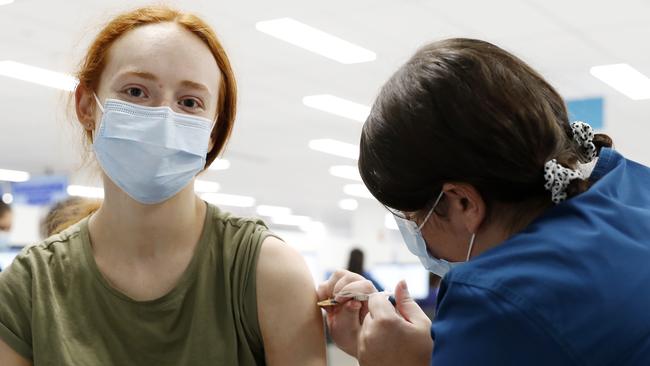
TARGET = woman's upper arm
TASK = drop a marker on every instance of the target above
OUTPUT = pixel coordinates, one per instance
(290, 322)
(8, 357)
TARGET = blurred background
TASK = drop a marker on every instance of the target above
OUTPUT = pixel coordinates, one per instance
(307, 74)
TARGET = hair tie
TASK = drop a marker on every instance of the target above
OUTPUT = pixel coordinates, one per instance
(583, 135)
(557, 179)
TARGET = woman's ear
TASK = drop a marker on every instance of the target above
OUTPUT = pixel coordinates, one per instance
(467, 204)
(85, 107)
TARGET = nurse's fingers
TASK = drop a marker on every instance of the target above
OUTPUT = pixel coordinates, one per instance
(407, 307)
(326, 288)
(336, 281)
(367, 322)
(381, 310)
(347, 317)
(351, 285)
(344, 324)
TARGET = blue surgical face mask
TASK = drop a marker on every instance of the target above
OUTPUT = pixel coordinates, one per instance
(151, 153)
(412, 235)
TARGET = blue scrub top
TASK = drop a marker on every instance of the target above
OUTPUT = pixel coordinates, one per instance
(573, 288)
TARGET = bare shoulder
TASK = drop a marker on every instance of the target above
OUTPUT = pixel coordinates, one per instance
(278, 259)
(282, 271)
(286, 306)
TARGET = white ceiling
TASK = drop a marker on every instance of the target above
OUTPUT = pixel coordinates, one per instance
(269, 154)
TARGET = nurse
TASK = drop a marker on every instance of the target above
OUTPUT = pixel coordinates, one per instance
(540, 230)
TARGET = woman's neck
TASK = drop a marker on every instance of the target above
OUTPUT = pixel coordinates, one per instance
(136, 229)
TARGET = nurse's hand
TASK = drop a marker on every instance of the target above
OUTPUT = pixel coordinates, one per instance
(399, 335)
(344, 321)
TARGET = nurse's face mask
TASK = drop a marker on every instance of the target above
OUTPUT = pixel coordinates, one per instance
(151, 153)
(412, 235)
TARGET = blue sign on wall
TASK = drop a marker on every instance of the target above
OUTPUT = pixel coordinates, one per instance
(45, 190)
(589, 110)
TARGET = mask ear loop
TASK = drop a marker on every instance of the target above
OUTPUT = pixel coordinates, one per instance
(431, 211)
(471, 246)
(212, 131)
(214, 122)
(94, 130)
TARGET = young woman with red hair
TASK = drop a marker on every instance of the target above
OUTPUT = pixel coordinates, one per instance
(156, 276)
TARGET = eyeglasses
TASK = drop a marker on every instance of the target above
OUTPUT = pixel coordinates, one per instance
(403, 216)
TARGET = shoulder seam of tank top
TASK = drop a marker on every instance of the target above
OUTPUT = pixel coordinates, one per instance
(237, 221)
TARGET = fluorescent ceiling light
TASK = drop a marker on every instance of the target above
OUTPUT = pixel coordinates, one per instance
(86, 191)
(38, 75)
(357, 190)
(6, 2)
(625, 79)
(204, 186)
(315, 40)
(228, 199)
(390, 223)
(346, 171)
(273, 211)
(220, 164)
(13, 175)
(348, 204)
(7, 198)
(338, 106)
(335, 147)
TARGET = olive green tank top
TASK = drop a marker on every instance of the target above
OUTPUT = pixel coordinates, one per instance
(57, 309)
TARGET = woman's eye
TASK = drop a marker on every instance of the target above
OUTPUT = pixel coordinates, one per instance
(189, 103)
(135, 92)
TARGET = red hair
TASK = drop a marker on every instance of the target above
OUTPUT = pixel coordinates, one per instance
(94, 63)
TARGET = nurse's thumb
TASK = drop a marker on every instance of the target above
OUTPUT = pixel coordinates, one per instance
(406, 306)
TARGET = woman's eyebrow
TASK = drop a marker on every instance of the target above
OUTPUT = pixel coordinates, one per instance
(141, 74)
(195, 85)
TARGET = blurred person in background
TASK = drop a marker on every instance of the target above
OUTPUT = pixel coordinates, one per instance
(356, 265)
(6, 220)
(67, 213)
(156, 276)
(538, 228)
